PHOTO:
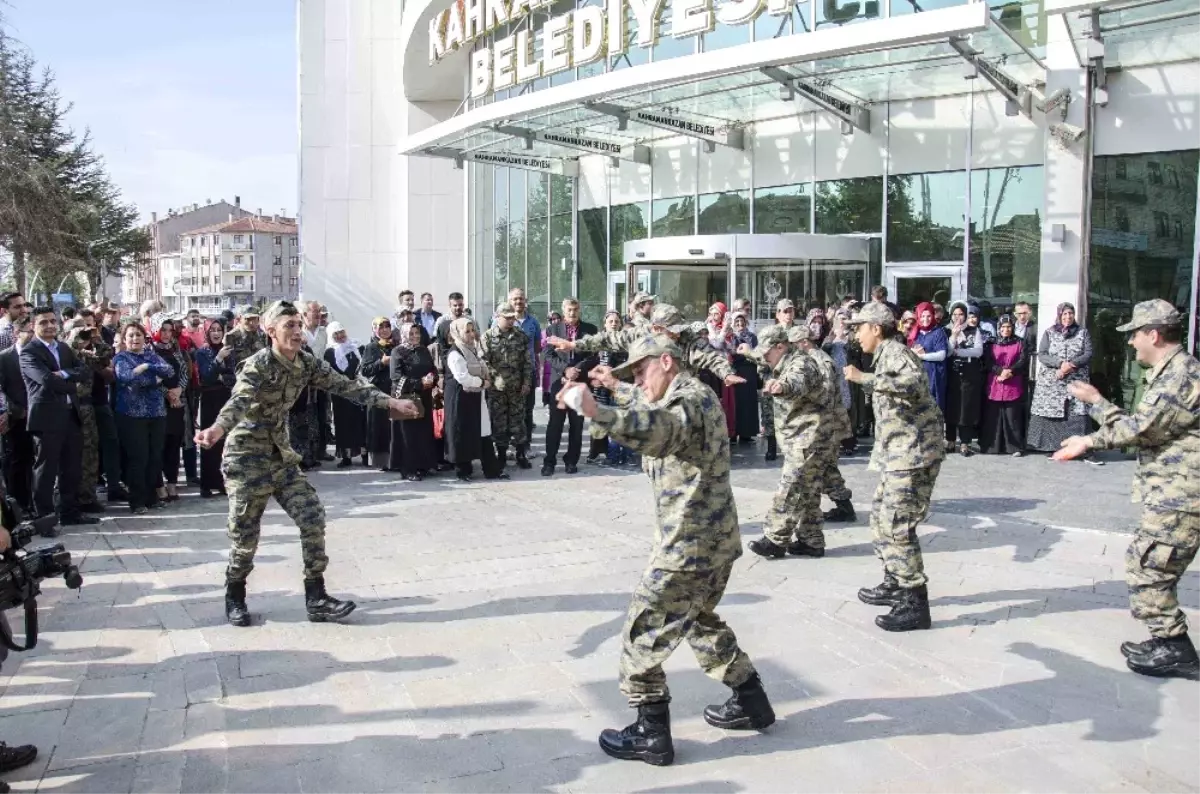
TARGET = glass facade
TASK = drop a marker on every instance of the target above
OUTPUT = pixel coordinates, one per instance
(1005, 260)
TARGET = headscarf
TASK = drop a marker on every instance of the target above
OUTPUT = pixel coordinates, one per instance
(746, 336)
(458, 336)
(920, 325)
(1006, 319)
(817, 315)
(1068, 330)
(404, 329)
(717, 334)
(378, 321)
(341, 350)
(215, 348)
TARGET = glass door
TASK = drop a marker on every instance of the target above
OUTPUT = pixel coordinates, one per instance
(618, 295)
(909, 285)
(689, 288)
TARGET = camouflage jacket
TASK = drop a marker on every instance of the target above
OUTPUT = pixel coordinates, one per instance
(1166, 430)
(685, 452)
(507, 355)
(614, 340)
(96, 359)
(909, 429)
(697, 354)
(245, 344)
(255, 418)
(837, 419)
(801, 411)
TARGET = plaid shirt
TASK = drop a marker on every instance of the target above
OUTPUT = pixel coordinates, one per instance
(7, 337)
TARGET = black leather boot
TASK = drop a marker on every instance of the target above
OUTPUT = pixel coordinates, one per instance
(1132, 648)
(1170, 657)
(765, 547)
(772, 450)
(322, 606)
(910, 613)
(799, 548)
(883, 594)
(522, 457)
(647, 739)
(842, 510)
(502, 457)
(235, 603)
(748, 709)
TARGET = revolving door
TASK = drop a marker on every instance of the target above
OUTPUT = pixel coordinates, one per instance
(692, 273)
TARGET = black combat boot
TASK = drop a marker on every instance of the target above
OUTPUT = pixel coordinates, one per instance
(647, 739)
(746, 710)
(1169, 657)
(772, 450)
(235, 603)
(842, 510)
(321, 605)
(502, 457)
(522, 457)
(801, 549)
(884, 594)
(765, 547)
(1132, 648)
(910, 613)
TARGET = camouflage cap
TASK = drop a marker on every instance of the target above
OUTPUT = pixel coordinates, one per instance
(648, 346)
(769, 337)
(640, 298)
(668, 317)
(875, 314)
(248, 311)
(799, 333)
(1155, 312)
(505, 309)
(276, 310)
(784, 303)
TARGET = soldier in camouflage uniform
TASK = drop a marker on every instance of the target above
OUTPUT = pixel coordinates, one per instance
(505, 350)
(837, 419)
(802, 396)
(785, 315)
(909, 449)
(247, 338)
(95, 356)
(676, 422)
(259, 461)
(1165, 429)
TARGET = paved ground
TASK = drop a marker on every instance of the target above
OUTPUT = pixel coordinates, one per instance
(483, 654)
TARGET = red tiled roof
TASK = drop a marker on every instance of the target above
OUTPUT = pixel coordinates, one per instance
(250, 224)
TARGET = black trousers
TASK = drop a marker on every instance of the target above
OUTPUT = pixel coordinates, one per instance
(487, 460)
(169, 471)
(530, 399)
(554, 428)
(142, 443)
(110, 446)
(19, 456)
(58, 457)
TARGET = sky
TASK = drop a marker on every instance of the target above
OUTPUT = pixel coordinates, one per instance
(186, 100)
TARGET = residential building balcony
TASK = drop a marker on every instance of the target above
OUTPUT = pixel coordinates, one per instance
(237, 289)
(237, 267)
(246, 246)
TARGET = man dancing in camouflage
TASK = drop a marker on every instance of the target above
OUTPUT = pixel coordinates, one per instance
(505, 349)
(909, 449)
(802, 396)
(1166, 430)
(785, 316)
(259, 462)
(676, 422)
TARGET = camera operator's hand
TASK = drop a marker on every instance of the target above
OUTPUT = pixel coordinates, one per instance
(5, 540)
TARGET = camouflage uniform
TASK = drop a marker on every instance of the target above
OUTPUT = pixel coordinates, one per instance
(259, 461)
(245, 344)
(685, 449)
(837, 420)
(909, 449)
(696, 353)
(95, 360)
(1166, 430)
(506, 354)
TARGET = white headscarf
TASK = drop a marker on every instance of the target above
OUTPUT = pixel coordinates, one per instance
(341, 350)
(470, 354)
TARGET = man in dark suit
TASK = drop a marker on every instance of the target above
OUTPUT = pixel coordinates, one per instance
(426, 315)
(572, 367)
(18, 444)
(1026, 328)
(52, 373)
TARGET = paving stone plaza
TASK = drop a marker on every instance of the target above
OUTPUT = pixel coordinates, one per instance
(483, 655)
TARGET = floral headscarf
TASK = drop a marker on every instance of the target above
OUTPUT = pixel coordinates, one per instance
(381, 341)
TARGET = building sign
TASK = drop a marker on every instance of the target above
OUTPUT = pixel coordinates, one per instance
(574, 38)
(549, 165)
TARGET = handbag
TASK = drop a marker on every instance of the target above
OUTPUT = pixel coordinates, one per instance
(439, 422)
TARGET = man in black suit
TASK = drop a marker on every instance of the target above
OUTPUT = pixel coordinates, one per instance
(426, 315)
(572, 367)
(18, 444)
(52, 373)
(1026, 328)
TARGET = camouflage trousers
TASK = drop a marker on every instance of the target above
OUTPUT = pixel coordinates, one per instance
(833, 484)
(1162, 550)
(251, 481)
(901, 504)
(89, 467)
(766, 409)
(796, 508)
(507, 412)
(669, 607)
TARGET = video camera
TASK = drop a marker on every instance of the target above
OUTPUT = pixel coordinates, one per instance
(22, 570)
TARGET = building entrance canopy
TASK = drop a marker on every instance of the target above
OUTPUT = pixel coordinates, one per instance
(843, 70)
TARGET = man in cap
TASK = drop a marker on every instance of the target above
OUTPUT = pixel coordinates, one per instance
(785, 316)
(640, 308)
(506, 351)
(837, 420)
(676, 422)
(802, 396)
(259, 462)
(909, 449)
(1165, 428)
(247, 338)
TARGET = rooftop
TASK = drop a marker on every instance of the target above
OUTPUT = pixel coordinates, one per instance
(251, 224)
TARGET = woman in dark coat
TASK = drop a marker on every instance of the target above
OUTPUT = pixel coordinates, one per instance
(745, 395)
(413, 377)
(964, 387)
(377, 368)
(349, 418)
(1003, 429)
(178, 417)
(214, 363)
(468, 431)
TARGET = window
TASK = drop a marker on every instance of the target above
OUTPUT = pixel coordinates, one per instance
(782, 210)
(293, 281)
(293, 241)
(1160, 225)
(593, 263)
(277, 282)
(1004, 263)
(216, 240)
(278, 260)
(278, 239)
(1120, 170)
(925, 217)
(204, 261)
(238, 259)
(277, 271)
(562, 259)
(239, 239)
(845, 206)
(295, 261)
(1121, 218)
(626, 222)
(724, 213)
(239, 281)
(203, 241)
(673, 217)
(1153, 173)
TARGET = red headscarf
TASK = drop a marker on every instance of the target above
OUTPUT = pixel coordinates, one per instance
(921, 325)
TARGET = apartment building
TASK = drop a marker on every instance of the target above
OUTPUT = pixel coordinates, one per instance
(245, 260)
(148, 278)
